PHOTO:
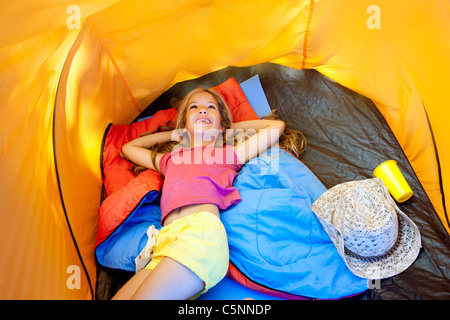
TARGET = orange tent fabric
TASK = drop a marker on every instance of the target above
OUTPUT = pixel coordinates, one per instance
(69, 68)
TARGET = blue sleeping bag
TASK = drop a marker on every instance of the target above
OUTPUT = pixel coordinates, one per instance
(274, 237)
(275, 240)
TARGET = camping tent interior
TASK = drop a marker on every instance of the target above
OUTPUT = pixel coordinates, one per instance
(70, 68)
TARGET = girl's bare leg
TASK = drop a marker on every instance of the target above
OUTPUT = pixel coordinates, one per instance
(169, 280)
(129, 288)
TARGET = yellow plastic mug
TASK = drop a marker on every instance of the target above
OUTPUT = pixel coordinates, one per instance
(392, 177)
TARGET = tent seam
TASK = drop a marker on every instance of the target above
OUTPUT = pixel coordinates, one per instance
(438, 162)
(308, 29)
(58, 180)
(116, 66)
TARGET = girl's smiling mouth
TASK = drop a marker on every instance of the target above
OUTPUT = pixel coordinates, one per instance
(203, 120)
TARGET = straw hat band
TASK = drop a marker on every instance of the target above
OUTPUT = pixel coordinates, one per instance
(379, 257)
(368, 226)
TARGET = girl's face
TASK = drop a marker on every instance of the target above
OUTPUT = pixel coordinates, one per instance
(203, 118)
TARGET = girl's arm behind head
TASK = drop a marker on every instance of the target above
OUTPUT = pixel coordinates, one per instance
(267, 133)
(290, 139)
(143, 151)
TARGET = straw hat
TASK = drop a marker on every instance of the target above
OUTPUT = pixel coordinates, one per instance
(373, 236)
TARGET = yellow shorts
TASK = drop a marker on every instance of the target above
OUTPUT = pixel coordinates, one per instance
(199, 242)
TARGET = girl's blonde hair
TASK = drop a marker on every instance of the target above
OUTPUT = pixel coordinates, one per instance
(291, 140)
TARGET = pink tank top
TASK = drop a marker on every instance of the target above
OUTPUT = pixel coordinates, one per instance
(198, 176)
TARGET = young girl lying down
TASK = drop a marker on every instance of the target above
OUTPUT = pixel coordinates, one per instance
(199, 161)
